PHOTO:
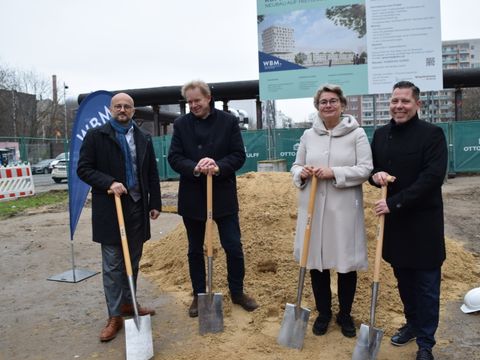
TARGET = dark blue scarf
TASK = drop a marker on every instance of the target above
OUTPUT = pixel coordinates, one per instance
(120, 132)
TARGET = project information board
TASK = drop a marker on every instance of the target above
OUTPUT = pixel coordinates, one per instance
(363, 46)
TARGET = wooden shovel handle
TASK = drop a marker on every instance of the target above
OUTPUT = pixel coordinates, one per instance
(209, 224)
(123, 234)
(379, 237)
(308, 228)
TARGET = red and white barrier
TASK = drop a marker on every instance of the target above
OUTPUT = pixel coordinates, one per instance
(16, 181)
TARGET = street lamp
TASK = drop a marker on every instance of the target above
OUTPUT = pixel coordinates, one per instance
(65, 87)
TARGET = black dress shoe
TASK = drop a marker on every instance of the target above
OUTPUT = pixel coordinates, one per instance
(346, 324)
(425, 354)
(245, 301)
(320, 325)
(403, 336)
(193, 310)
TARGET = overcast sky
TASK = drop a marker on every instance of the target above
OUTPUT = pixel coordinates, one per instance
(123, 44)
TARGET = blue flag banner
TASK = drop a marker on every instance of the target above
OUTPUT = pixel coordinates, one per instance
(93, 111)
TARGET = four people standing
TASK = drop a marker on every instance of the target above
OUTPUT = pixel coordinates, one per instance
(335, 150)
(119, 157)
(415, 152)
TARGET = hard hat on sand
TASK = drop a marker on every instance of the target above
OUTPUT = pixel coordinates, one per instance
(471, 301)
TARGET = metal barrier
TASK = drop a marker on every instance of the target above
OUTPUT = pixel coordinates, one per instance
(16, 181)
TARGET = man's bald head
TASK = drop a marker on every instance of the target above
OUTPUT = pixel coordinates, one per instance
(122, 107)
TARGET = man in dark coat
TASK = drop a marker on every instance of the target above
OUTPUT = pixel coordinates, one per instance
(208, 141)
(415, 153)
(118, 156)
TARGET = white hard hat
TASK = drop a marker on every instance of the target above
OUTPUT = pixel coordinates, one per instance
(471, 301)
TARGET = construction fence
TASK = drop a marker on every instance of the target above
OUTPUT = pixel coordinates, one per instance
(463, 138)
(15, 150)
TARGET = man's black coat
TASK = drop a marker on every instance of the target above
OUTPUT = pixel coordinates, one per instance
(223, 143)
(101, 163)
(416, 154)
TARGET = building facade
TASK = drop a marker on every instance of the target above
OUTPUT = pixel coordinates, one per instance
(437, 106)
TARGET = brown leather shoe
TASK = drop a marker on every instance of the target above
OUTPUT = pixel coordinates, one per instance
(193, 310)
(127, 310)
(245, 301)
(114, 324)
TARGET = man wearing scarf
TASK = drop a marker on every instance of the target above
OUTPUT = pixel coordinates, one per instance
(119, 156)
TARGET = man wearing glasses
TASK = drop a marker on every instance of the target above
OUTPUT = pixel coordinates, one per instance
(118, 156)
(415, 152)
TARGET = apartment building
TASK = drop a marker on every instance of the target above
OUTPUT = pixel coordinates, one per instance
(438, 106)
(279, 41)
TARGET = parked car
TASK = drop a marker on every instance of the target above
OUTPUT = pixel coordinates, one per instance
(62, 156)
(42, 167)
(59, 171)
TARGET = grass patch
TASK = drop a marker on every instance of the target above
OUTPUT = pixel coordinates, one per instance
(14, 207)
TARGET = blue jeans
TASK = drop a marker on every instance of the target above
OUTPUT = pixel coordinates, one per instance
(230, 238)
(420, 294)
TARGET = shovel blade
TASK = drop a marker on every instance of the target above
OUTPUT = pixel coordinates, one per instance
(368, 343)
(210, 313)
(293, 328)
(139, 342)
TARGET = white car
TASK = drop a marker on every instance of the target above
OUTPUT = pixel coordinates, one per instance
(59, 171)
(62, 156)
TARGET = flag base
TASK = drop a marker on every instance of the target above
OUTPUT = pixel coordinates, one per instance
(73, 276)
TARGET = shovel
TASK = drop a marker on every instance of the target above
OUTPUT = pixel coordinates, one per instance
(210, 308)
(295, 319)
(370, 337)
(138, 331)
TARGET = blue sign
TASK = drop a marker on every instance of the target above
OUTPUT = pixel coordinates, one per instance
(93, 111)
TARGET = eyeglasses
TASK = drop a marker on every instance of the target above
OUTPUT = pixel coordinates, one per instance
(119, 107)
(332, 102)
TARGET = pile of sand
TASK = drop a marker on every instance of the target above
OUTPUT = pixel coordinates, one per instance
(268, 207)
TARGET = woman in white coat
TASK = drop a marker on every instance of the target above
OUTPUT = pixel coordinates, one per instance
(335, 150)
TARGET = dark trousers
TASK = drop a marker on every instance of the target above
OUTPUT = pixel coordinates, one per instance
(115, 280)
(230, 238)
(420, 294)
(347, 284)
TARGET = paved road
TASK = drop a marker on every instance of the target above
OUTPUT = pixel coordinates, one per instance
(44, 182)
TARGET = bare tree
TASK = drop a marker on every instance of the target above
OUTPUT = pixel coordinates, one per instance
(470, 104)
(7, 78)
(40, 117)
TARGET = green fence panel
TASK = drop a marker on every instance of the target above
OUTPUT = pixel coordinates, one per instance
(463, 139)
(446, 127)
(369, 130)
(287, 142)
(255, 148)
(33, 149)
(169, 172)
(255, 142)
(161, 144)
(159, 155)
(466, 149)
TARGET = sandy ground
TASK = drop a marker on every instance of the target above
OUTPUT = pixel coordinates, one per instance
(43, 319)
